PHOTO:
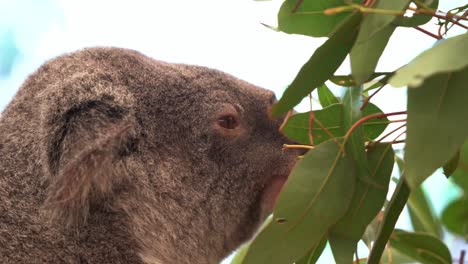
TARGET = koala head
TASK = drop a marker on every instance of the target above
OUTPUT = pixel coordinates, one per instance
(190, 157)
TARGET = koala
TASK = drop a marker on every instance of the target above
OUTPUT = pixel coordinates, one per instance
(109, 156)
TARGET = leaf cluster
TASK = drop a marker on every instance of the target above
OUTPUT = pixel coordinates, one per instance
(337, 192)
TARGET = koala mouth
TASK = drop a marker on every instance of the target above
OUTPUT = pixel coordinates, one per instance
(271, 193)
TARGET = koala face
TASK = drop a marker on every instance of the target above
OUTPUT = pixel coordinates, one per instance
(223, 154)
(184, 161)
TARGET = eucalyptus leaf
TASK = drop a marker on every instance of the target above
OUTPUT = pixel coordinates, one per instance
(391, 214)
(331, 118)
(315, 254)
(306, 207)
(451, 165)
(460, 176)
(367, 201)
(326, 97)
(297, 127)
(323, 63)
(348, 80)
(366, 54)
(455, 217)
(422, 214)
(445, 57)
(416, 19)
(308, 18)
(436, 124)
(375, 32)
(424, 248)
(373, 23)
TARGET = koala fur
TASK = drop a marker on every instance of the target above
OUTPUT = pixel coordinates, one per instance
(108, 156)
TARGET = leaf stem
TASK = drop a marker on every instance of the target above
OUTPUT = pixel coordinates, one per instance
(462, 257)
(396, 205)
(285, 121)
(311, 121)
(428, 33)
(370, 97)
(387, 135)
(289, 146)
(364, 119)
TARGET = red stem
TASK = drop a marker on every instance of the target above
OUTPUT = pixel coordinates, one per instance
(311, 121)
(428, 33)
(462, 257)
(364, 119)
(391, 132)
(370, 97)
(297, 6)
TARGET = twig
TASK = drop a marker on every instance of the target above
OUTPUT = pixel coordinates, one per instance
(370, 97)
(391, 132)
(395, 142)
(286, 118)
(364, 119)
(399, 135)
(289, 146)
(311, 121)
(428, 33)
(397, 121)
(390, 255)
(462, 257)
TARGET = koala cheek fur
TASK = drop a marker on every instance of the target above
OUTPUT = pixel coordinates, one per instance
(108, 156)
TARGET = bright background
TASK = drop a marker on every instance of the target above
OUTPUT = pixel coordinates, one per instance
(221, 34)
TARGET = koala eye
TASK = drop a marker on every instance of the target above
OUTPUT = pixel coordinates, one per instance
(228, 122)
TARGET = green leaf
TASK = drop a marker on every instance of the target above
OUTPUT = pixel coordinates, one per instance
(451, 165)
(416, 19)
(455, 217)
(396, 257)
(315, 254)
(421, 247)
(326, 97)
(444, 57)
(354, 145)
(367, 201)
(376, 30)
(297, 127)
(391, 214)
(373, 23)
(307, 206)
(323, 63)
(373, 128)
(422, 215)
(460, 176)
(309, 18)
(436, 126)
(240, 255)
(331, 117)
(366, 54)
(348, 80)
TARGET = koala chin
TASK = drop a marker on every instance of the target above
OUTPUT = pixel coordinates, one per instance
(109, 156)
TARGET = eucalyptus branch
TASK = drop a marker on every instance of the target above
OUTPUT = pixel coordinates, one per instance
(370, 96)
(429, 33)
(364, 119)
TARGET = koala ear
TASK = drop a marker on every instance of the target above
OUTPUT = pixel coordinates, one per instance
(85, 148)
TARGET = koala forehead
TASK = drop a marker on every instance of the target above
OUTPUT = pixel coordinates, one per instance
(220, 86)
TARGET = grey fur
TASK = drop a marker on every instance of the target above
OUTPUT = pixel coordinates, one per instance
(108, 156)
